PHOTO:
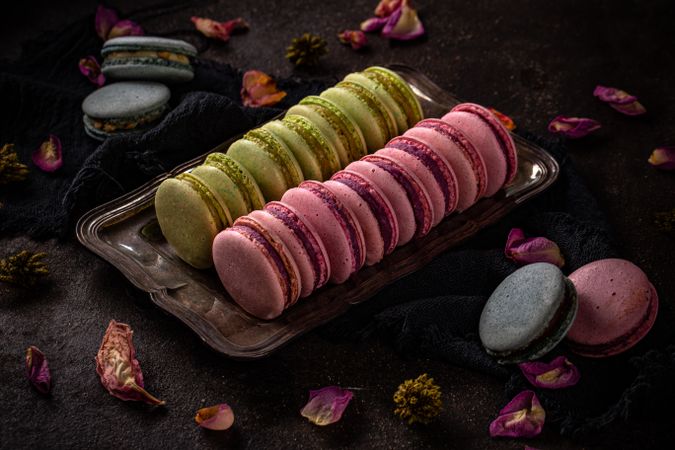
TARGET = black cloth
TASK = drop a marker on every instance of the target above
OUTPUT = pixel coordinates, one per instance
(433, 312)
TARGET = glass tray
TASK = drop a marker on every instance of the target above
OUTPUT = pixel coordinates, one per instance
(196, 297)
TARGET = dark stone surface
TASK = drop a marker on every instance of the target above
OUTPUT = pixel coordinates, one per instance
(532, 60)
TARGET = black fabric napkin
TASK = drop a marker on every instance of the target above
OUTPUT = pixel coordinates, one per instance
(433, 312)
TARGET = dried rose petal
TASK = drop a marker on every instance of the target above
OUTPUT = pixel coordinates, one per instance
(355, 38)
(663, 158)
(37, 370)
(573, 127)
(620, 100)
(125, 28)
(118, 367)
(105, 19)
(326, 405)
(630, 109)
(259, 89)
(522, 417)
(504, 119)
(386, 7)
(219, 417)
(48, 156)
(219, 30)
(403, 24)
(531, 250)
(373, 24)
(90, 68)
(559, 373)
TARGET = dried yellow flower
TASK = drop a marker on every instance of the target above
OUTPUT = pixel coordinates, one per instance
(11, 168)
(418, 400)
(24, 268)
(306, 50)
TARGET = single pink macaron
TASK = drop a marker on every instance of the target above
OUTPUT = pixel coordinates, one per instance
(617, 307)
(302, 241)
(256, 268)
(431, 168)
(335, 224)
(466, 161)
(372, 210)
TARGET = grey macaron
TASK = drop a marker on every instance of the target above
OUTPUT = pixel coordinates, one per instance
(528, 314)
(148, 58)
(124, 107)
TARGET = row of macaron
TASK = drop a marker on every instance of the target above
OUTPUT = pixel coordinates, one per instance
(315, 139)
(322, 232)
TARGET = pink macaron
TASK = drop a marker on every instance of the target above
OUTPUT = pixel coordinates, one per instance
(466, 161)
(335, 224)
(617, 308)
(431, 168)
(256, 268)
(302, 241)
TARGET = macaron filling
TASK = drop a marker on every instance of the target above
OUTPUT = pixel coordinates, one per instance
(221, 217)
(375, 202)
(382, 116)
(127, 123)
(418, 201)
(160, 57)
(399, 89)
(306, 237)
(250, 192)
(465, 146)
(269, 144)
(438, 168)
(344, 219)
(328, 159)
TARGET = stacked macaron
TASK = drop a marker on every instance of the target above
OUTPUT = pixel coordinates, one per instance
(321, 232)
(315, 139)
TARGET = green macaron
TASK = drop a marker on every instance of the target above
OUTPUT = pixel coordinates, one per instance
(400, 90)
(190, 216)
(269, 160)
(326, 153)
(248, 189)
(383, 95)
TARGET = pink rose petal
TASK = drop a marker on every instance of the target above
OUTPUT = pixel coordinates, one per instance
(37, 370)
(90, 68)
(326, 405)
(125, 28)
(663, 158)
(48, 156)
(386, 7)
(504, 119)
(373, 24)
(219, 30)
(105, 19)
(355, 38)
(620, 100)
(118, 367)
(219, 417)
(531, 250)
(259, 89)
(403, 24)
(522, 417)
(559, 373)
(630, 109)
(573, 127)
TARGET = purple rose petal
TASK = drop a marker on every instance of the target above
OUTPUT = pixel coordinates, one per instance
(105, 19)
(355, 38)
(559, 373)
(90, 68)
(403, 24)
(521, 417)
(219, 417)
(125, 28)
(531, 250)
(326, 405)
(630, 109)
(620, 100)
(663, 158)
(573, 127)
(37, 370)
(48, 156)
(373, 24)
(386, 7)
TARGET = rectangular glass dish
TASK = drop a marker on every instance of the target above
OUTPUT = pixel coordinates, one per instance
(196, 297)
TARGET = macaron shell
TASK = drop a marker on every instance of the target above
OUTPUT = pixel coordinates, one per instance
(223, 188)
(248, 188)
(314, 114)
(485, 141)
(147, 69)
(394, 81)
(617, 307)
(125, 99)
(329, 160)
(379, 90)
(308, 161)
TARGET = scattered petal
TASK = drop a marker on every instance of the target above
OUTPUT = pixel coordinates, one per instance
(559, 373)
(219, 30)
(403, 24)
(219, 417)
(504, 119)
(326, 405)
(573, 127)
(630, 109)
(259, 89)
(620, 100)
(522, 417)
(386, 7)
(91, 69)
(531, 250)
(373, 24)
(37, 370)
(663, 158)
(118, 367)
(105, 19)
(125, 28)
(355, 38)
(418, 400)
(48, 156)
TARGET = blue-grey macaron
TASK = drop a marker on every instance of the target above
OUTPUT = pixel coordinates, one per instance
(124, 107)
(528, 314)
(148, 58)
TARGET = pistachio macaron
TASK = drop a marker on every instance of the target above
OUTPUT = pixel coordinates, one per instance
(400, 90)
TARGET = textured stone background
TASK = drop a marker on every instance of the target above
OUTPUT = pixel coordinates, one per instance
(530, 59)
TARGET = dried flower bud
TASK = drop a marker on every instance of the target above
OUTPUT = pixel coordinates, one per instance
(418, 400)
(306, 50)
(11, 169)
(24, 268)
